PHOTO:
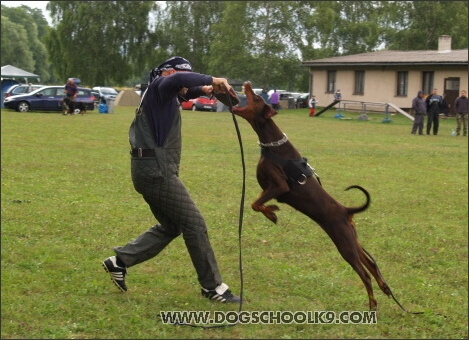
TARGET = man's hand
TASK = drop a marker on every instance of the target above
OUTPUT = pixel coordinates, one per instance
(220, 85)
(207, 89)
(220, 90)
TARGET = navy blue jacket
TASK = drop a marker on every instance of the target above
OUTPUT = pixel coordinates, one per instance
(161, 99)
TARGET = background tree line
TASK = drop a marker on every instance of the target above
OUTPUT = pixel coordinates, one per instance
(116, 43)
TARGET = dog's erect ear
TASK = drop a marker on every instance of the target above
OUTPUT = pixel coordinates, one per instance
(269, 112)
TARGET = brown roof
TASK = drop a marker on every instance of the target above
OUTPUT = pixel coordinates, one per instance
(387, 57)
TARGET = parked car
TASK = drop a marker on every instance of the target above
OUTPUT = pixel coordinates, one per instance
(96, 96)
(302, 101)
(202, 103)
(140, 89)
(285, 96)
(295, 95)
(104, 93)
(278, 91)
(47, 98)
(21, 89)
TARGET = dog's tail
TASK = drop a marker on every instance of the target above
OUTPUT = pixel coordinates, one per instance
(365, 206)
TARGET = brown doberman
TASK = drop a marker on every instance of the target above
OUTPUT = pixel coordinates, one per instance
(284, 175)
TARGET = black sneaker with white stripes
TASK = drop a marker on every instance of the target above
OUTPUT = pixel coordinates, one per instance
(221, 294)
(117, 272)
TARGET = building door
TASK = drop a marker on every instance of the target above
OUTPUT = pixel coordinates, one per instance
(452, 92)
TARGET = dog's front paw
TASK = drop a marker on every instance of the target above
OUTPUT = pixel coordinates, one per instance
(268, 211)
(273, 207)
(271, 216)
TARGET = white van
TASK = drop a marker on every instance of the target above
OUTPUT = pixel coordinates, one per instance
(278, 91)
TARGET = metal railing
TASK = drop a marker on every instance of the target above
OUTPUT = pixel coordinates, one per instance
(367, 107)
(362, 107)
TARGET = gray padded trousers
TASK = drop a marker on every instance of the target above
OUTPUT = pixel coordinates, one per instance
(176, 212)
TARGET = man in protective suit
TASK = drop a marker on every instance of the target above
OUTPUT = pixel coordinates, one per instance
(155, 139)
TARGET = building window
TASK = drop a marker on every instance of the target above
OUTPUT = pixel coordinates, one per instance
(452, 84)
(427, 82)
(402, 83)
(331, 81)
(359, 82)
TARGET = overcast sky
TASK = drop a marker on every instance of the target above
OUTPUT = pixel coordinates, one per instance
(33, 4)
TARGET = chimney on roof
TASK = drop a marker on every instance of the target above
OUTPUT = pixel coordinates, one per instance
(444, 44)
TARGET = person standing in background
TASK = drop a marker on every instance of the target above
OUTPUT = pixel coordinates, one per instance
(434, 102)
(312, 106)
(420, 110)
(275, 100)
(265, 96)
(71, 92)
(337, 95)
(445, 106)
(461, 109)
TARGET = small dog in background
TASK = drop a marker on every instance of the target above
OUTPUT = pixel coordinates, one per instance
(73, 107)
(80, 106)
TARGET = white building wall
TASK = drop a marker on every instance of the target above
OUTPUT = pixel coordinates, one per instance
(381, 85)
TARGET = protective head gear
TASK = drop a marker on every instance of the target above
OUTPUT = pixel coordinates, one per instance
(175, 63)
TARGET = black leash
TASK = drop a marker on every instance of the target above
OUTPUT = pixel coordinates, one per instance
(241, 209)
(240, 229)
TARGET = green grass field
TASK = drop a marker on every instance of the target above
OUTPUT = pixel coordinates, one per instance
(67, 199)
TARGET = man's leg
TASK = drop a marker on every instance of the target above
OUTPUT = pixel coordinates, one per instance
(458, 123)
(172, 205)
(72, 105)
(429, 122)
(65, 107)
(417, 124)
(464, 123)
(436, 123)
(146, 246)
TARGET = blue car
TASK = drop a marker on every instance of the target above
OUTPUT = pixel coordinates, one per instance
(47, 98)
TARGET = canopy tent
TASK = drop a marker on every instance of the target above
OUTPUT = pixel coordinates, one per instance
(9, 76)
(127, 98)
(9, 71)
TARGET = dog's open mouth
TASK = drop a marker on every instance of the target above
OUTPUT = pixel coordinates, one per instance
(250, 98)
(248, 91)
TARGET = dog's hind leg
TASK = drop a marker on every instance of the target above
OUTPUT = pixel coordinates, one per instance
(368, 261)
(372, 266)
(354, 260)
(347, 244)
